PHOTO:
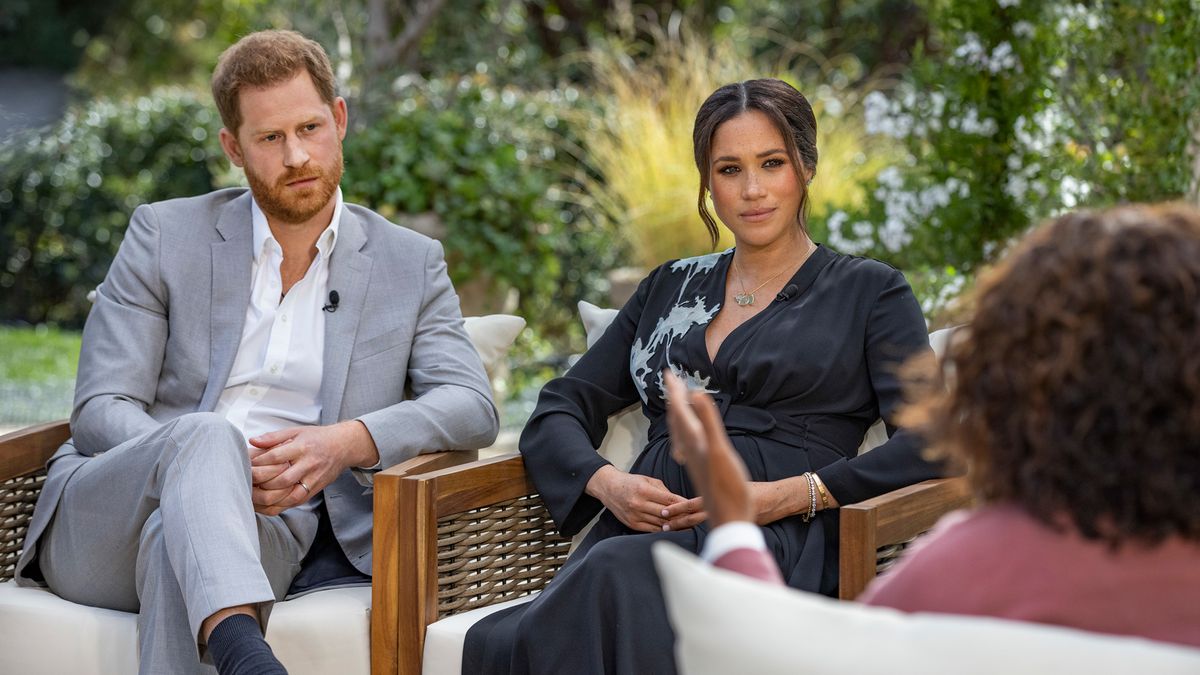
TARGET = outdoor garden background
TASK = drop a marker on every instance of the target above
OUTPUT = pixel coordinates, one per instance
(548, 142)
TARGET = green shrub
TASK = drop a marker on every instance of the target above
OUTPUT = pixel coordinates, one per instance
(66, 194)
(494, 166)
(489, 163)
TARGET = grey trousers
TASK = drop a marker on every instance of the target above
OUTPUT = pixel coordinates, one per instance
(163, 525)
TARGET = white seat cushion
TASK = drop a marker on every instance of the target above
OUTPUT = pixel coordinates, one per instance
(728, 623)
(42, 634)
(323, 632)
(444, 639)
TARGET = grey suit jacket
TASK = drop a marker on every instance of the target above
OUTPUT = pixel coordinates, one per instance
(162, 336)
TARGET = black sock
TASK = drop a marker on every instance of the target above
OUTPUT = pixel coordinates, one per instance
(238, 648)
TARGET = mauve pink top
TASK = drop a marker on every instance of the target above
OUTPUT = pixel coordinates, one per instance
(999, 561)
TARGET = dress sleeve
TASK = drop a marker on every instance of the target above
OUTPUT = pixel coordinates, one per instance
(560, 439)
(895, 332)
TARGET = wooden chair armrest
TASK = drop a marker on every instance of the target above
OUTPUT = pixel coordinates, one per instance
(405, 591)
(890, 519)
(26, 450)
(431, 461)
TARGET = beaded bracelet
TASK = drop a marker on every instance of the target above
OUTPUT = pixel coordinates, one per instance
(812, 498)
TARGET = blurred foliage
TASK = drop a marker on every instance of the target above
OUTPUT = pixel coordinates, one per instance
(641, 146)
(530, 43)
(494, 166)
(535, 129)
(66, 195)
(1125, 77)
(152, 43)
(1020, 110)
(958, 112)
(49, 34)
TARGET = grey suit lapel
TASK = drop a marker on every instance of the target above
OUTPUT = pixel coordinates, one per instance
(349, 271)
(231, 265)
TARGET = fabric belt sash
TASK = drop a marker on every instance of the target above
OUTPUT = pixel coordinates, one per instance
(840, 434)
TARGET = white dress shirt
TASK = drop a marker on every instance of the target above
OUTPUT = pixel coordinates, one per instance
(275, 382)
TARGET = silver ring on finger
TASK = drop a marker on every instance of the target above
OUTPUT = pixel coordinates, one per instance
(301, 484)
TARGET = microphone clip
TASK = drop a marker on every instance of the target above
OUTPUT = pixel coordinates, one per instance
(333, 302)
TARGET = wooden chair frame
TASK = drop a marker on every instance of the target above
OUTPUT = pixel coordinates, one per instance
(422, 551)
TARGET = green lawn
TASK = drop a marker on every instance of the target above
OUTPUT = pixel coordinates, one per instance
(38, 354)
(37, 374)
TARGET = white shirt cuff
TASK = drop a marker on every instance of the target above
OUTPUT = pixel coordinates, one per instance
(366, 475)
(730, 537)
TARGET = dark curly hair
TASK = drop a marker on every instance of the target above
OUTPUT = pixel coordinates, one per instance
(1075, 390)
(787, 109)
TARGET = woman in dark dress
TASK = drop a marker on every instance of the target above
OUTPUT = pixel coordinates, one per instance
(798, 345)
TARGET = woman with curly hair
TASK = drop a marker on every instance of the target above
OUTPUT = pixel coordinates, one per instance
(1073, 399)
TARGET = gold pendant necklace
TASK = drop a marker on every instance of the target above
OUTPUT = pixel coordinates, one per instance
(745, 299)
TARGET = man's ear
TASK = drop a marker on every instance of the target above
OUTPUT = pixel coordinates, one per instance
(341, 116)
(233, 150)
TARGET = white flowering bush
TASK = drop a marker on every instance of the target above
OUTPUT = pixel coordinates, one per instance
(1017, 110)
(972, 174)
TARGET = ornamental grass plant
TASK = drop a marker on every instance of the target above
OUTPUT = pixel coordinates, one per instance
(640, 146)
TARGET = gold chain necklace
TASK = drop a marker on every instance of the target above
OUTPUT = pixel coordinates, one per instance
(745, 299)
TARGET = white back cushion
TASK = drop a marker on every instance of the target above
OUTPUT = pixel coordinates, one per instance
(728, 623)
(492, 335)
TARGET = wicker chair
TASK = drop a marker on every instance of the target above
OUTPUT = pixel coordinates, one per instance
(451, 536)
(477, 534)
(23, 455)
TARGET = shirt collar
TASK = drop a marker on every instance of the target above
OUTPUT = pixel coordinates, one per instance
(262, 231)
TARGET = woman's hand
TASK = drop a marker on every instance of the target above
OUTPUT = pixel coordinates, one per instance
(637, 501)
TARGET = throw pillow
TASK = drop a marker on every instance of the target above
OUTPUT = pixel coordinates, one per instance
(728, 623)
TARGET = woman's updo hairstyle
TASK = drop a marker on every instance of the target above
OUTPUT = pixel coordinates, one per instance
(787, 109)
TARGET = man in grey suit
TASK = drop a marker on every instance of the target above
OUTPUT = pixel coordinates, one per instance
(243, 374)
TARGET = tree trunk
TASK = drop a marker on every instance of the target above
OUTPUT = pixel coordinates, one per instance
(393, 42)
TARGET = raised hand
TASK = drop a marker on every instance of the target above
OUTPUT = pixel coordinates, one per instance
(700, 443)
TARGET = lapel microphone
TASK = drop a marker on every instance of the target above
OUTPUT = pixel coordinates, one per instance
(787, 293)
(333, 302)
